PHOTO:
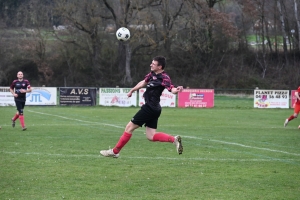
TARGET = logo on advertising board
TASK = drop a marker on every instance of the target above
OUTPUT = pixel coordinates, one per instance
(196, 96)
(116, 97)
(41, 96)
(38, 95)
(263, 102)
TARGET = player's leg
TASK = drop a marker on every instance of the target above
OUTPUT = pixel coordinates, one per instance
(293, 116)
(164, 137)
(125, 137)
(21, 115)
(154, 136)
(136, 122)
(130, 127)
(16, 116)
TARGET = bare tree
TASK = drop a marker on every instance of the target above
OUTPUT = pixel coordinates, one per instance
(120, 13)
(279, 5)
(150, 23)
(84, 24)
(297, 22)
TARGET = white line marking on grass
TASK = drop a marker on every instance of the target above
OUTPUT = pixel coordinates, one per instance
(74, 119)
(246, 146)
(152, 158)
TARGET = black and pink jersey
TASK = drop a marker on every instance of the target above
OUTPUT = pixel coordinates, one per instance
(156, 83)
(17, 86)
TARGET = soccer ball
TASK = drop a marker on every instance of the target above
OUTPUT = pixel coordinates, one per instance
(123, 34)
(299, 127)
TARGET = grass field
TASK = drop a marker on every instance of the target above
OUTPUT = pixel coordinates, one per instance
(231, 151)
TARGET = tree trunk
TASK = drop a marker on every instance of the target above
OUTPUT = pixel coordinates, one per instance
(275, 28)
(283, 30)
(298, 23)
(127, 78)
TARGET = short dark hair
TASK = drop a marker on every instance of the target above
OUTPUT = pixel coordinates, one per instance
(160, 61)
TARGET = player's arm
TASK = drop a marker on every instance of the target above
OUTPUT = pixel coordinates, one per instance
(297, 95)
(140, 85)
(177, 89)
(29, 89)
(166, 82)
(12, 91)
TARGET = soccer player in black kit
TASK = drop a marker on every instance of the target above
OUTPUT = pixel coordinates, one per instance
(155, 82)
(19, 88)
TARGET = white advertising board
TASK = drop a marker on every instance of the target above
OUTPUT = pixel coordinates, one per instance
(6, 98)
(116, 97)
(167, 99)
(39, 96)
(271, 98)
(42, 96)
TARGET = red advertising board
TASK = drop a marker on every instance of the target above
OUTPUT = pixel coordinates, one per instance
(198, 98)
(293, 98)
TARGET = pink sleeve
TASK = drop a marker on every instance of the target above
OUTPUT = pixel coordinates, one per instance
(147, 77)
(12, 86)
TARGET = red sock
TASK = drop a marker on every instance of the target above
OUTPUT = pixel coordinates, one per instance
(15, 117)
(163, 137)
(22, 121)
(291, 117)
(122, 141)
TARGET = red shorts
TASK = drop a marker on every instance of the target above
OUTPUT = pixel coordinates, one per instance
(297, 108)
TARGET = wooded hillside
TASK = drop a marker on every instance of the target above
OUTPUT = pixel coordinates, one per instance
(239, 44)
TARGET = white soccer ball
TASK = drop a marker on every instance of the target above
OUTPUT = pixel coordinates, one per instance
(299, 127)
(123, 34)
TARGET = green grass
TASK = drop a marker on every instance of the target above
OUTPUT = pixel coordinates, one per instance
(231, 151)
(253, 38)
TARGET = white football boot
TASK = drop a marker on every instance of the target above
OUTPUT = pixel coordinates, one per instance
(286, 122)
(178, 144)
(109, 153)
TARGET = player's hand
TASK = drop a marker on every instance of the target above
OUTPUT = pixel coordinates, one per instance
(179, 88)
(129, 94)
(23, 91)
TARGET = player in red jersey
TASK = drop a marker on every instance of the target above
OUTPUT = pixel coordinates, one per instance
(19, 88)
(296, 108)
(156, 81)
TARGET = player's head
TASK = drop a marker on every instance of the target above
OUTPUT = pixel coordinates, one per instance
(20, 75)
(161, 61)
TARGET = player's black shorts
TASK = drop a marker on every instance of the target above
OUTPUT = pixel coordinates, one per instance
(146, 115)
(20, 106)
